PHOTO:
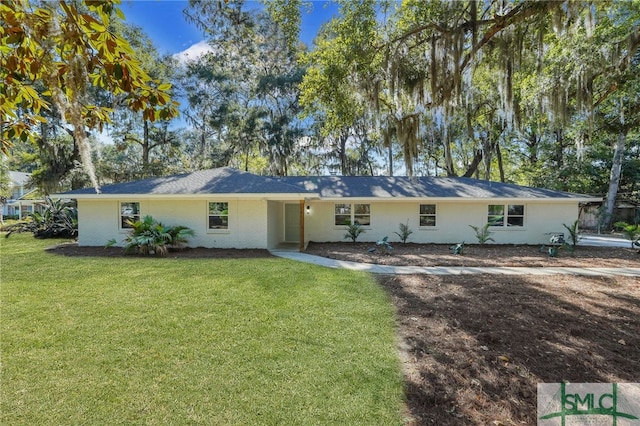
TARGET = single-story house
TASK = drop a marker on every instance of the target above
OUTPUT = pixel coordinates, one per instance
(228, 208)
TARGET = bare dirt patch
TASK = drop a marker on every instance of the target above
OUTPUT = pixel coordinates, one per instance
(478, 255)
(475, 347)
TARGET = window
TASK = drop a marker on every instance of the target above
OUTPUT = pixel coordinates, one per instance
(496, 215)
(352, 213)
(218, 215)
(129, 212)
(427, 215)
(343, 214)
(514, 215)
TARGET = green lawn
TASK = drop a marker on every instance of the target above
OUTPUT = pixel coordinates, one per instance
(176, 341)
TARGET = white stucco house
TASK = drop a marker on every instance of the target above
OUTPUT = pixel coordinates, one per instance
(228, 208)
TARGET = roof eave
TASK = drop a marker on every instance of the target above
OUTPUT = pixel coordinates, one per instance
(265, 196)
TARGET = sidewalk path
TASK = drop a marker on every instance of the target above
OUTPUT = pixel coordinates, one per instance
(453, 270)
(603, 241)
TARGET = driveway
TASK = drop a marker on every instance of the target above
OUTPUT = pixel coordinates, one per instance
(603, 241)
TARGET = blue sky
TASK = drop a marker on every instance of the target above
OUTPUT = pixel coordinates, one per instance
(164, 22)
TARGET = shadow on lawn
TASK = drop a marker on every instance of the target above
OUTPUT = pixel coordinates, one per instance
(72, 249)
(476, 347)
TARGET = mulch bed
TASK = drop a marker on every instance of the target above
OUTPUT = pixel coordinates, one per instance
(475, 347)
(478, 255)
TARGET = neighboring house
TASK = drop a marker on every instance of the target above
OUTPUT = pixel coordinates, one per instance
(228, 208)
(624, 210)
(23, 200)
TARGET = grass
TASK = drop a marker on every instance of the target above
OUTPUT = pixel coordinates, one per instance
(178, 341)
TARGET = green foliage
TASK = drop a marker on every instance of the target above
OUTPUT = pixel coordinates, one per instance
(70, 49)
(482, 234)
(148, 236)
(457, 248)
(631, 232)
(383, 246)
(59, 219)
(404, 232)
(353, 231)
(574, 238)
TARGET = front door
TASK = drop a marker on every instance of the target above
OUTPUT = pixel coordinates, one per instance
(292, 223)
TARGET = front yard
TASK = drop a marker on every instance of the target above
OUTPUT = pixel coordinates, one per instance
(90, 336)
(99, 340)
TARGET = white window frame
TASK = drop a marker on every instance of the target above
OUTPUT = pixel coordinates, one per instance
(507, 216)
(349, 210)
(434, 215)
(132, 215)
(221, 214)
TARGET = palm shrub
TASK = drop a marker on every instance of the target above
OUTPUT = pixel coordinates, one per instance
(148, 236)
(404, 232)
(353, 231)
(482, 234)
(574, 238)
(59, 219)
(631, 232)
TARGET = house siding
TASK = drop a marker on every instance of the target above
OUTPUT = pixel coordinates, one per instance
(98, 221)
(452, 221)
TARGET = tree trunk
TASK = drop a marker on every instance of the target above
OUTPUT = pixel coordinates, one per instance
(614, 179)
(448, 158)
(344, 169)
(145, 149)
(473, 167)
(500, 163)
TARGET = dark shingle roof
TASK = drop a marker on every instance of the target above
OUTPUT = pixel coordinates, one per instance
(226, 180)
(421, 187)
(223, 180)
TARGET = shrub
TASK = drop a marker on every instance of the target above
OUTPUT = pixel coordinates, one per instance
(482, 234)
(59, 219)
(574, 238)
(383, 246)
(631, 232)
(353, 231)
(148, 236)
(404, 232)
(457, 248)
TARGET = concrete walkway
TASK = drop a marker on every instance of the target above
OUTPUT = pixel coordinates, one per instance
(453, 270)
(603, 241)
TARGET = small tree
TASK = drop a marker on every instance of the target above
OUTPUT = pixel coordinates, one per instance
(353, 231)
(482, 234)
(404, 232)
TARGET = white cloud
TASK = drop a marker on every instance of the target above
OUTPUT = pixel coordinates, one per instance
(194, 52)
